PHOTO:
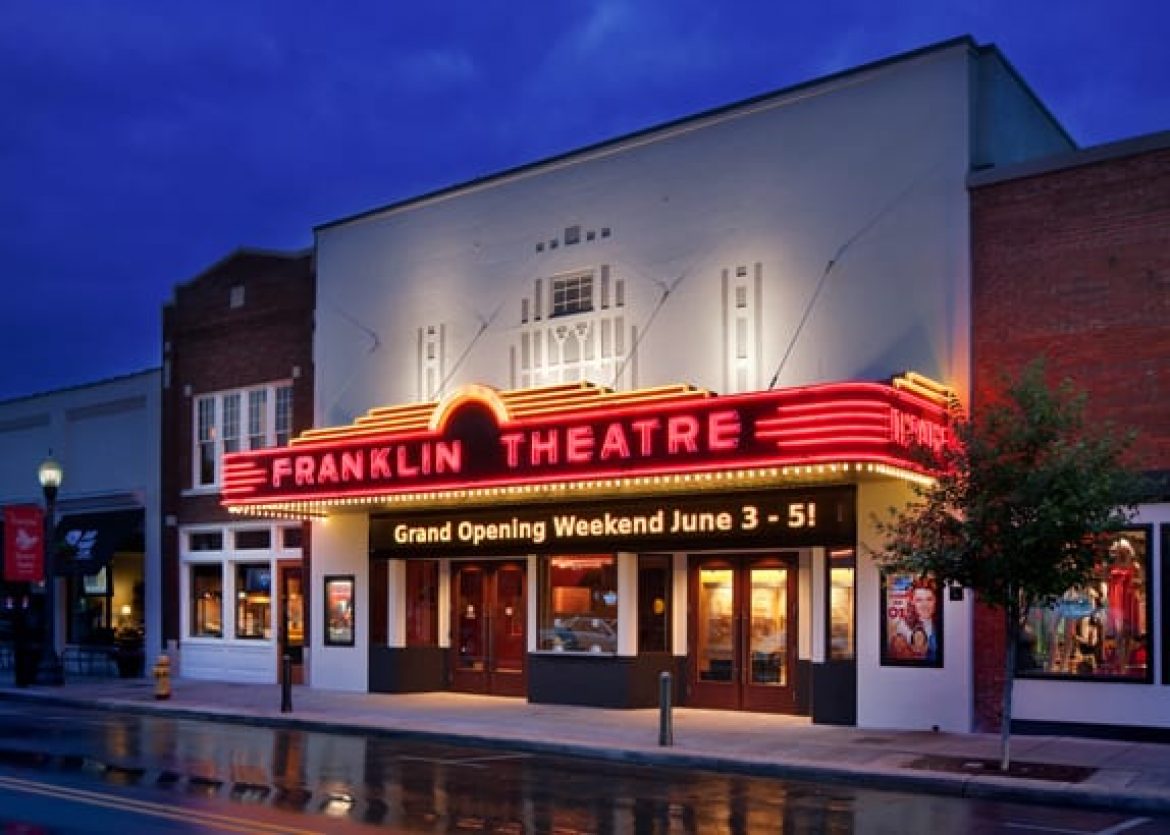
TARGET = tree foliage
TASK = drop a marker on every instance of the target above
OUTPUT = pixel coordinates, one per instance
(1026, 496)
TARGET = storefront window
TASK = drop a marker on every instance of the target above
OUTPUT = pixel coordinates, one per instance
(291, 538)
(1099, 630)
(207, 601)
(654, 574)
(422, 608)
(841, 578)
(89, 607)
(254, 540)
(578, 603)
(339, 615)
(1165, 605)
(254, 601)
(205, 541)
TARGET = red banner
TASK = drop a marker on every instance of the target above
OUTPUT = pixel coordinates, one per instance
(24, 543)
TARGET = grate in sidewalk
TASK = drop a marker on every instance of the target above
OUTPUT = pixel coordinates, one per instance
(989, 767)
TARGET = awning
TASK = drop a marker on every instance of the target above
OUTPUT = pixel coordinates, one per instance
(87, 541)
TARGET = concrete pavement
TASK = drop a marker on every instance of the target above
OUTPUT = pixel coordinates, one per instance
(1119, 775)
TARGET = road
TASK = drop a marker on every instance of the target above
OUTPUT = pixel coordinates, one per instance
(66, 770)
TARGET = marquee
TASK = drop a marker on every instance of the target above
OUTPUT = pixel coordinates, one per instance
(481, 442)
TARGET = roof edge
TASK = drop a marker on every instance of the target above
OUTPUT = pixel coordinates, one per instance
(992, 49)
(117, 378)
(243, 252)
(1118, 149)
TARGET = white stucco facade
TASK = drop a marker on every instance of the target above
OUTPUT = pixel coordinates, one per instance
(105, 435)
(340, 548)
(859, 181)
(814, 235)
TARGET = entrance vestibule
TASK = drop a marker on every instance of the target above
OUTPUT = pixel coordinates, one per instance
(743, 628)
(488, 630)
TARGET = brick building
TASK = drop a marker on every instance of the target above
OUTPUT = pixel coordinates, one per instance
(1071, 259)
(237, 375)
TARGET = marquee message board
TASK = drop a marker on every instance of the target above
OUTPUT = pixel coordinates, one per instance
(776, 518)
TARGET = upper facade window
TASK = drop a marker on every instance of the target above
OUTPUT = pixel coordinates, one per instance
(572, 294)
(230, 421)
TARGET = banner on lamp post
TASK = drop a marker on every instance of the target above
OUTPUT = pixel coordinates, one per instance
(24, 543)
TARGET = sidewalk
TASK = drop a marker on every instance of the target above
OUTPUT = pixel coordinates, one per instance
(1120, 775)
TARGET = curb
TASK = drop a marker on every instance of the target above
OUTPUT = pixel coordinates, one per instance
(982, 787)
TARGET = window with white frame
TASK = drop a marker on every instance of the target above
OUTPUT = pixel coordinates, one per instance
(283, 415)
(205, 439)
(589, 345)
(257, 418)
(231, 422)
(222, 425)
(229, 573)
(572, 294)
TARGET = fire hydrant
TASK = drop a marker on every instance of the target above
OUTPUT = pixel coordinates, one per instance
(162, 677)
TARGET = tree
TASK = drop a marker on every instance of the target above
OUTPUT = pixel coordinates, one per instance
(1025, 498)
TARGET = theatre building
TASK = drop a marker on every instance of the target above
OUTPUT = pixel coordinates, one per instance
(634, 408)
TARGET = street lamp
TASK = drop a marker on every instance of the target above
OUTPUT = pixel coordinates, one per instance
(49, 669)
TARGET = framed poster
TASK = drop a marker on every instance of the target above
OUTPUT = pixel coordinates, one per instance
(911, 621)
(339, 611)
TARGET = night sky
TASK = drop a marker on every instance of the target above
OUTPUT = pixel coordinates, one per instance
(143, 140)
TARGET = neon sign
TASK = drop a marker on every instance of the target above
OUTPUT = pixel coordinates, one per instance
(481, 437)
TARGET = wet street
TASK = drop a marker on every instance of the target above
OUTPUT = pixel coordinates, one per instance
(69, 770)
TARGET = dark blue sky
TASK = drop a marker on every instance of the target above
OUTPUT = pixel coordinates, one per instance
(143, 140)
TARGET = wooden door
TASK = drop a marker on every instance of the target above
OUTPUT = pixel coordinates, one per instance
(489, 638)
(292, 620)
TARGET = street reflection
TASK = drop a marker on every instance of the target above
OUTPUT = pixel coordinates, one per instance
(408, 784)
(418, 785)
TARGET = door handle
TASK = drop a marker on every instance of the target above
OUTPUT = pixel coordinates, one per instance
(737, 657)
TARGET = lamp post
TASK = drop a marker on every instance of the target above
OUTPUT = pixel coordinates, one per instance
(49, 668)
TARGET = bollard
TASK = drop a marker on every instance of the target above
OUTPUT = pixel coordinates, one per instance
(665, 722)
(162, 677)
(286, 684)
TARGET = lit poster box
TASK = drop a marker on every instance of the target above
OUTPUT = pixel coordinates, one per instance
(339, 611)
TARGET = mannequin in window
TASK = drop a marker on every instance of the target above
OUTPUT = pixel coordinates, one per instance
(1083, 634)
(1124, 601)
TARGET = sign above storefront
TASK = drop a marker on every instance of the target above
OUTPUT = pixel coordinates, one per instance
(782, 519)
(480, 438)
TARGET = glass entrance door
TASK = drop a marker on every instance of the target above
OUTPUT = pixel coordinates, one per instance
(292, 621)
(488, 640)
(743, 624)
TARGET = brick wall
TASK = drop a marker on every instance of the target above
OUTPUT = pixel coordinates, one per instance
(1075, 264)
(209, 346)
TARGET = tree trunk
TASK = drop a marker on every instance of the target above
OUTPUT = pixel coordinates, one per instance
(1012, 637)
